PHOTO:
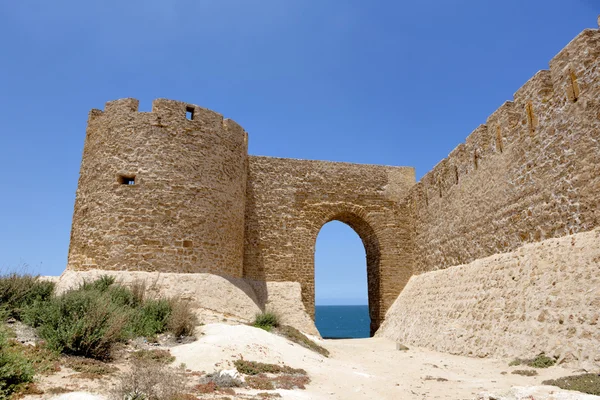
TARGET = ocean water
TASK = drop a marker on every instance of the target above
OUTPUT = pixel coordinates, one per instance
(337, 322)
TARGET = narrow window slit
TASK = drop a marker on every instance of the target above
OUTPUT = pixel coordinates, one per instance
(189, 113)
(127, 180)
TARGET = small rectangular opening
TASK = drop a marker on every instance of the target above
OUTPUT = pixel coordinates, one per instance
(127, 179)
(189, 113)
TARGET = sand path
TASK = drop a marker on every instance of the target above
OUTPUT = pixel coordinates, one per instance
(368, 368)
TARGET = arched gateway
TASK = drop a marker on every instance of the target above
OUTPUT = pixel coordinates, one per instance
(289, 201)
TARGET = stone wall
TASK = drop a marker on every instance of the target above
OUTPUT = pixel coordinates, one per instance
(531, 172)
(544, 297)
(185, 210)
(289, 201)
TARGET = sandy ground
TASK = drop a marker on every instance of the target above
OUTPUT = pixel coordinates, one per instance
(357, 369)
(366, 368)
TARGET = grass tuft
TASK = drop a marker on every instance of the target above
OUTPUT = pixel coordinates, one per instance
(266, 320)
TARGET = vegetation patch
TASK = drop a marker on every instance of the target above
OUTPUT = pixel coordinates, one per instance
(296, 336)
(27, 389)
(285, 381)
(89, 366)
(150, 381)
(20, 363)
(266, 320)
(19, 292)
(525, 372)
(267, 395)
(58, 390)
(154, 355)
(182, 320)
(255, 368)
(89, 320)
(221, 380)
(260, 382)
(585, 383)
(16, 370)
(540, 361)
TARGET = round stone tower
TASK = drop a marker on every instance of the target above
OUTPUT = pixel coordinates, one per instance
(160, 191)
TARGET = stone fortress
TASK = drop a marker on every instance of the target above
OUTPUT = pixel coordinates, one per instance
(493, 252)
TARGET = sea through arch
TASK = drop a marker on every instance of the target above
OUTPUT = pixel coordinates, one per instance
(341, 288)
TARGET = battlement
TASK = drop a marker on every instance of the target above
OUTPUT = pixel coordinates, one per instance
(570, 77)
(166, 112)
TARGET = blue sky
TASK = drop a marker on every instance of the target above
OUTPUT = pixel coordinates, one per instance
(382, 82)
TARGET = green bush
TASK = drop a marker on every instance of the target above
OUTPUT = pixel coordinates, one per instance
(150, 318)
(15, 369)
(83, 322)
(266, 320)
(19, 292)
(585, 383)
(88, 320)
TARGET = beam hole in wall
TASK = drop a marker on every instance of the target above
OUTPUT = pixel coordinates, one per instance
(573, 88)
(499, 139)
(341, 288)
(126, 180)
(189, 113)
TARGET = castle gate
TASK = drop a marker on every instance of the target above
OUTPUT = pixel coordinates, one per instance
(289, 201)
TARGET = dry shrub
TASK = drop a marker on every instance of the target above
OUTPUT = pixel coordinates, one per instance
(260, 382)
(290, 382)
(182, 320)
(58, 390)
(149, 381)
(221, 381)
(206, 388)
(255, 368)
(267, 395)
(89, 366)
(138, 289)
(154, 355)
(525, 372)
(296, 336)
(21, 291)
(284, 381)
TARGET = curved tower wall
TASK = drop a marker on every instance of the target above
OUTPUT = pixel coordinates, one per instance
(160, 191)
